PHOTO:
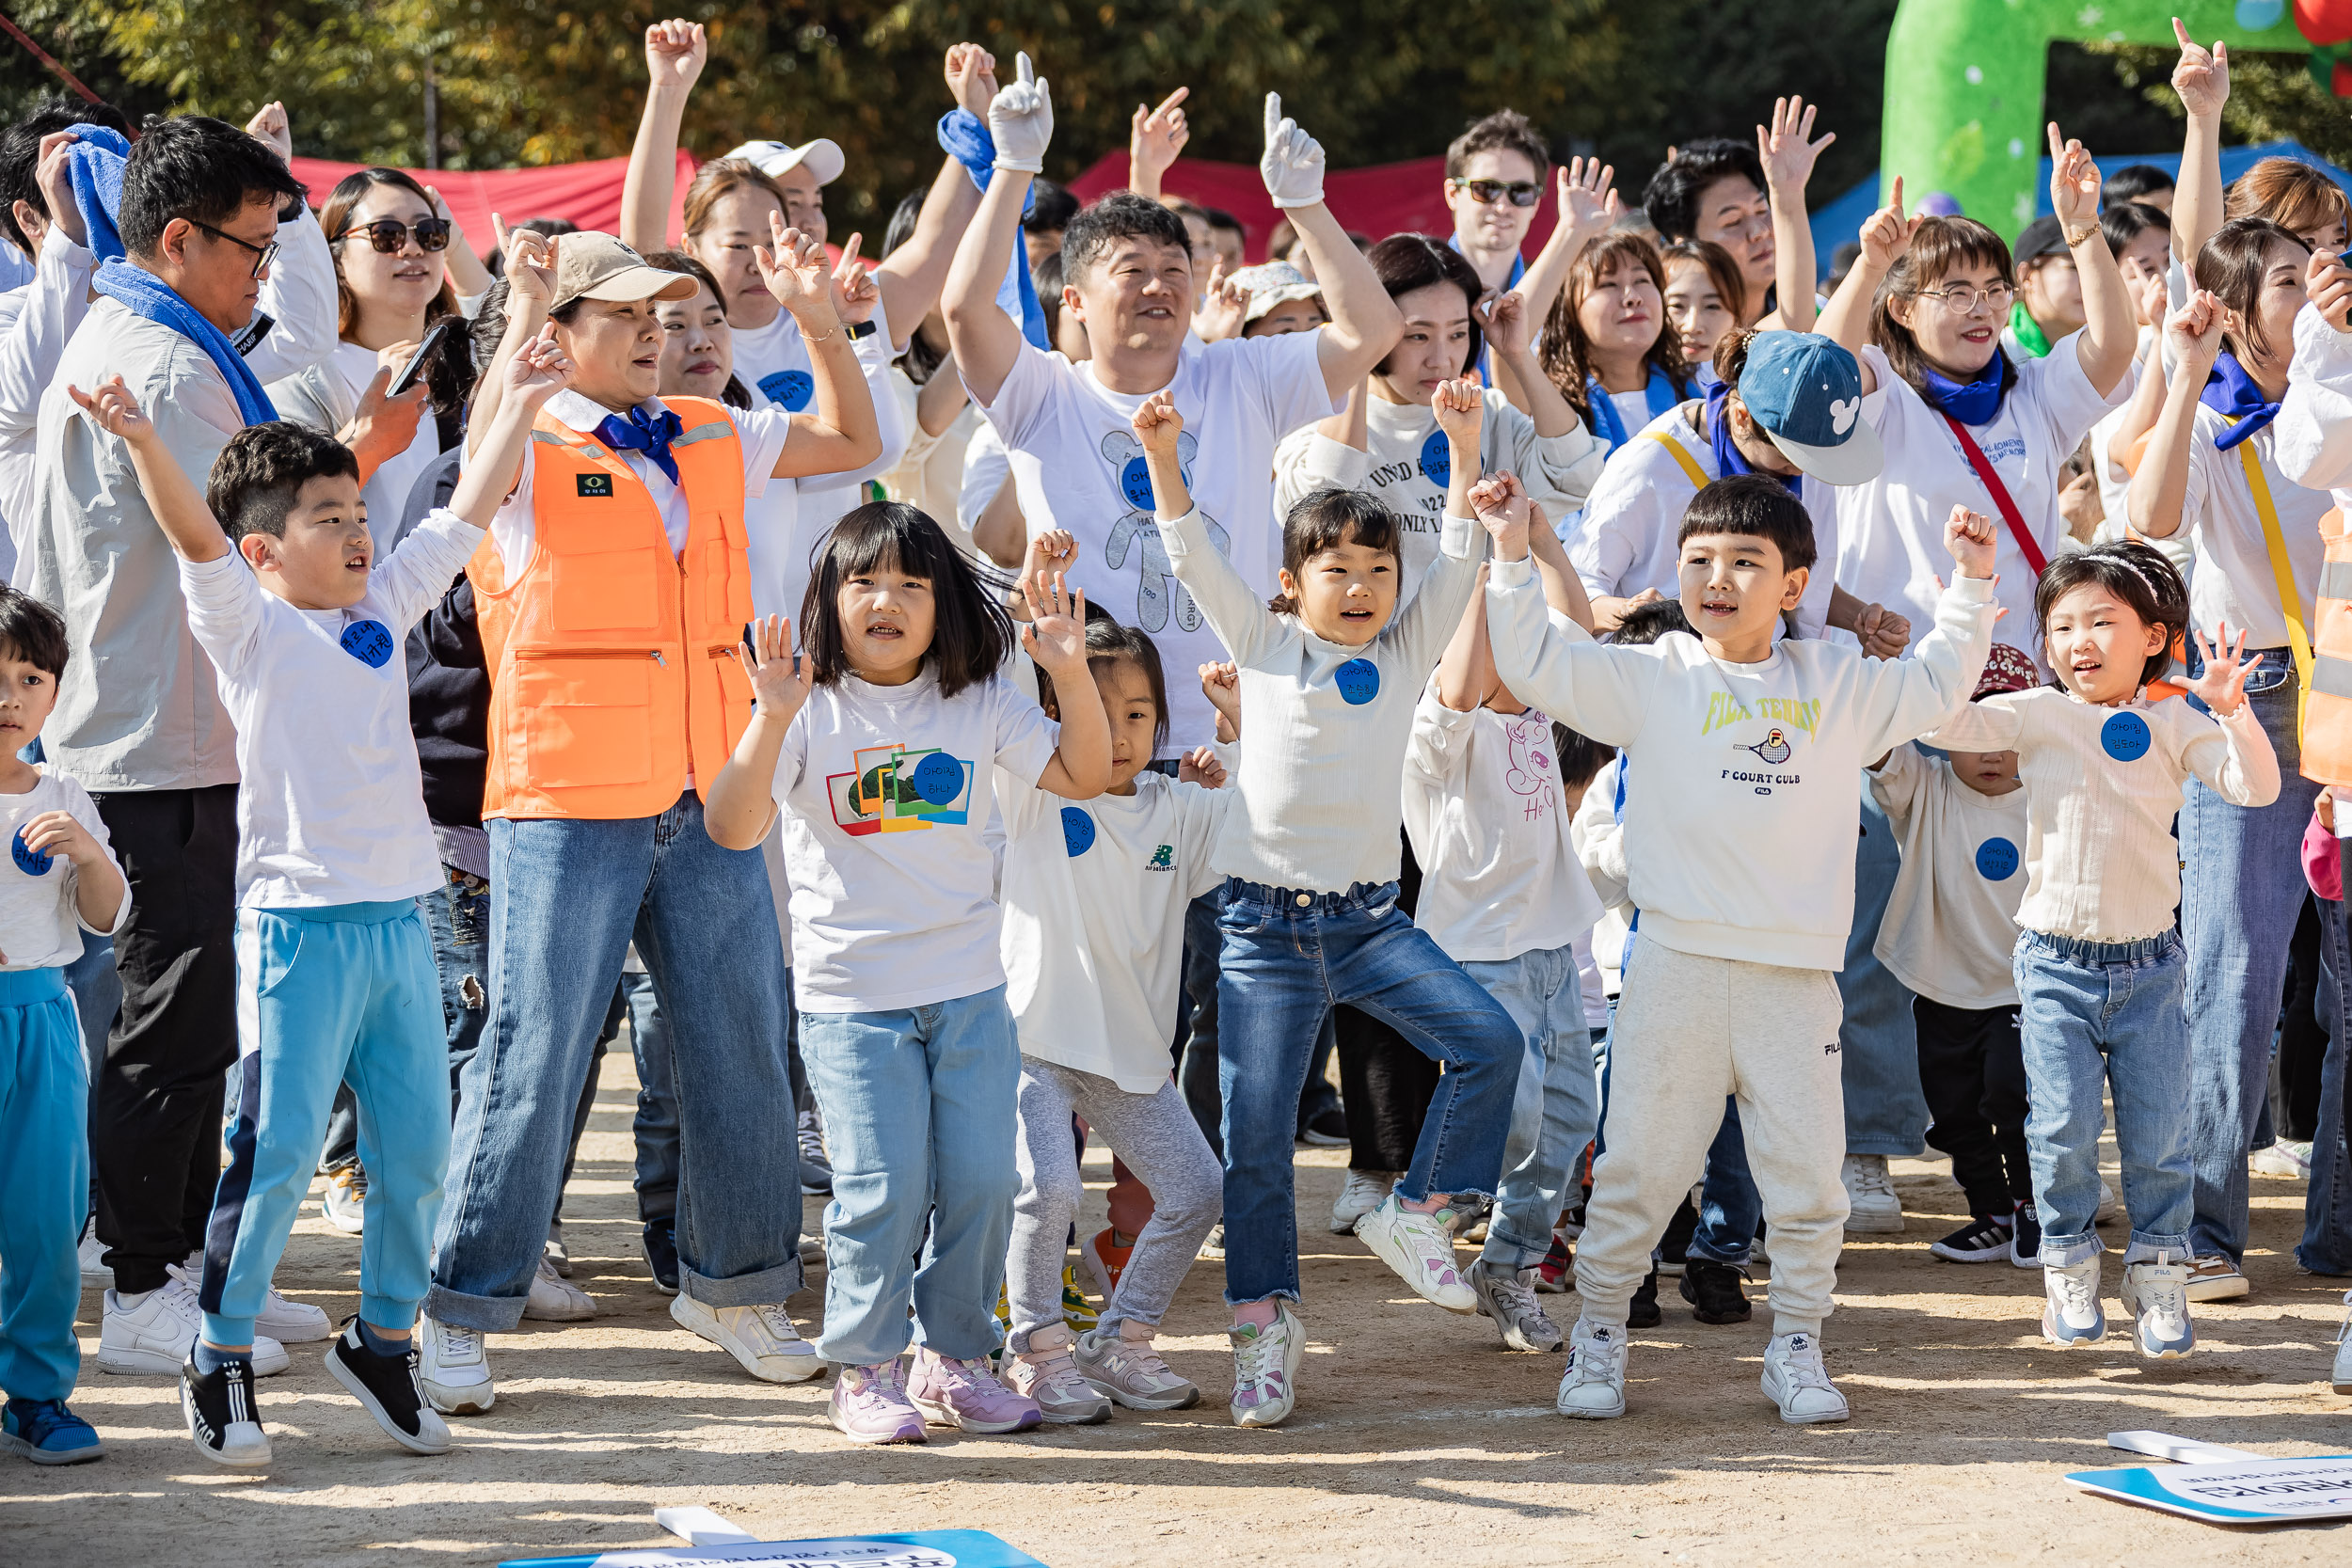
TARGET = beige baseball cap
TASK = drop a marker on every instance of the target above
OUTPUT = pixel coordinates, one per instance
(589, 265)
(776, 159)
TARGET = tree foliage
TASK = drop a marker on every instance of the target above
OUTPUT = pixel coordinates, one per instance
(2272, 98)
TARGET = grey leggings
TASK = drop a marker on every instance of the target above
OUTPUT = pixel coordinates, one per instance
(1154, 1133)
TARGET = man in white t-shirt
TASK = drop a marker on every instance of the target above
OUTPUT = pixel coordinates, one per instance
(1128, 276)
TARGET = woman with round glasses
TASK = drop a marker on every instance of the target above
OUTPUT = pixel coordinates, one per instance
(401, 265)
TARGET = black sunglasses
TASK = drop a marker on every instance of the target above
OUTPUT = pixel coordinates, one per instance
(1523, 193)
(388, 235)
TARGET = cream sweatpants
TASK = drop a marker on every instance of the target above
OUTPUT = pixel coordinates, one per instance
(1691, 1030)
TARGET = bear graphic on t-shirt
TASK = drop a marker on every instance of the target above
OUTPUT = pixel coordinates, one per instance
(1159, 597)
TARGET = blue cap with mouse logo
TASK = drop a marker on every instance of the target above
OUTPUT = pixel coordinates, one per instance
(1805, 393)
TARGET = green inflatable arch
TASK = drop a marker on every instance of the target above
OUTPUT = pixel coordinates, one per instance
(1964, 85)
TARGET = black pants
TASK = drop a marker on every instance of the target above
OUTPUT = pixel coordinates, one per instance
(1973, 1070)
(1385, 1081)
(155, 1109)
(2302, 1040)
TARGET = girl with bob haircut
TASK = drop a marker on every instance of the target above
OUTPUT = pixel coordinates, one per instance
(879, 747)
(1606, 345)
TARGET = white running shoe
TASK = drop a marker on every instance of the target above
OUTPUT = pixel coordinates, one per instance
(761, 1338)
(347, 1199)
(1363, 1193)
(92, 1256)
(2216, 1278)
(2071, 1313)
(1508, 1296)
(555, 1250)
(2109, 1205)
(156, 1335)
(555, 1299)
(1874, 1209)
(1063, 1397)
(2287, 1157)
(1420, 1247)
(2340, 1377)
(1593, 1387)
(454, 1365)
(2157, 1296)
(1795, 1380)
(1131, 1372)
(1265, 1368)
(289, 1322)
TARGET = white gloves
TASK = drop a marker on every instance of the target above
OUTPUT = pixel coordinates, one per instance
(1021, 121)
(1293, 162)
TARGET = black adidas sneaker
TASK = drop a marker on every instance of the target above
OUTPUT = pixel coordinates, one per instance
(224, 1418)
(1985, 1239)
(1714, 1291)
(387, 1388)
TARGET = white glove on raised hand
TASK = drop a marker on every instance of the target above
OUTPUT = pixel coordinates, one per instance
(1292, 161)
(1021, 120)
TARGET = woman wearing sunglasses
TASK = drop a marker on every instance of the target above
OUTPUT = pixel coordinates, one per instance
(397, 257)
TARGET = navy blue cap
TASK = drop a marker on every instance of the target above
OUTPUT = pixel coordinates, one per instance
(1805, 393)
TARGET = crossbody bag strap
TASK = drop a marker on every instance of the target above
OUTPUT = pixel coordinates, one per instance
(1681, 455)
(2008, 508)
(2282, 573)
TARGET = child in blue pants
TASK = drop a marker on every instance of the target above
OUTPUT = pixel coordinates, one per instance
(61, 875)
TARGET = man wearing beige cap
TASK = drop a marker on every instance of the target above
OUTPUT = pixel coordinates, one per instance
(611, 592)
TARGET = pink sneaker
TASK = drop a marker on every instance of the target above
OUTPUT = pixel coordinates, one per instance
(966, 1394)
(870, 1405)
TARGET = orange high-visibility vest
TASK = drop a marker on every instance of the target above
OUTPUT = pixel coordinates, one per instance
(2328, 708)
(611, 660)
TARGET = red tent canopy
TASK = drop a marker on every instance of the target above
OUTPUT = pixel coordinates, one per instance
(587, 194)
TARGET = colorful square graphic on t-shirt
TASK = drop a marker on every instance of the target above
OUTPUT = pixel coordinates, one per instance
(892, 789)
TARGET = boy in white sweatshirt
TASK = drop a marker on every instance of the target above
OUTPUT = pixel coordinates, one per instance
(1750, 754)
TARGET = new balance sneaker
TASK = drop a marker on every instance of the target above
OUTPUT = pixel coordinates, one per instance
(1265, 1368)
(2216, 1278)
(154, 1336)
(1795, 1380)
(1213, 1245)
(2024, 1239)
(92, 1255)
(2157, 1296)
(1363, 1192)
(816, 1169)
(46, 1433)
(1105, 1260)
(556, 1251)
(1714, 1291)
(387, 1388)
(1985, 1239)
(1420, 1247)
(1593, 1387)
(2071, 1313)
(1078, 1312)
(1131, 1372)
(870, 1405)
(347, 1199)
(1062, 1395)
(224, 1418)
(2340, 1376)
(2288, 1157)
(660, 1243)
(1467, 1217)
(555, 1299)
(1642, 1311)
(965, 1395)
(1875, 1211)
(761, 1338)
(289, 1322)
(1508, 1296)
(1326, 1128)
(453, 1369)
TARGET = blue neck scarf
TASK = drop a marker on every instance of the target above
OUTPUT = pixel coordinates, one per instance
(1975, 402)
(1660, 395)
(650, 434)
(2229, 390)
(94, 161)
(149, 296)
(963, 136)
(1729, 459)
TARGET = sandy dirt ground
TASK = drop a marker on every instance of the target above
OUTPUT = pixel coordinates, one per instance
(1419, 1439)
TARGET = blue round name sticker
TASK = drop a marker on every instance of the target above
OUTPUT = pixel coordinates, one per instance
(1359, 681)
(1996, 859)
(1437, 458)
(1077, 832)
(33, 862)
(792, 388)
(939, 778)
(1135, 482)
(370, 643)
(2125, 736)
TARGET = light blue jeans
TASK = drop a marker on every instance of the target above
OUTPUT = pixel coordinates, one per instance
(44, 1172)
(2095, 1014)
(1886, 1111)
(921, 1108)
(1554, 1108)
(2326, 1244)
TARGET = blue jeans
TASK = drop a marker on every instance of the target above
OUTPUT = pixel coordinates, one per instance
(1196, 1017)
(1555, 1106)
(1287, 958)
(1886, 1112)
(656, 1122)
(2092, 1013)
(2241, 890)
(566, 894)
(44, 1170)
(2326, 1244)
(921, 1108)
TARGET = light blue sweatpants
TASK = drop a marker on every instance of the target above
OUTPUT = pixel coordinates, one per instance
(44, 1184)
(343, 993)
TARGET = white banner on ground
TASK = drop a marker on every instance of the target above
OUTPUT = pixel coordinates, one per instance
(2235, 1492)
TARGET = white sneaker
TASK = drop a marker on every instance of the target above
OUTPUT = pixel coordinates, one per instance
(155, 1336)
(1363, 1193)
(2287, 1158)
(556, 1252)
(1265, 1368)
(1795, 1380)
(2341, 1378)
(2216, 1278)
(289, 1322)
(454, 1365)
(1874, 1209)
(1063, 1397)
(762, 1338)
(2157, 1296)
(347, 1199)
(1420, 1247)
(2071, 1313)
(92, 1256)
(555, 1299)
(2109, 1205)
(1212, 1245)
(1593, 1387)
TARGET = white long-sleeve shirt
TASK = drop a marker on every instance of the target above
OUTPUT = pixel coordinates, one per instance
(2312, 435)
(36, 323)
(1747, 777)
(1951, 922)
(2101, 786)
(1324, 724)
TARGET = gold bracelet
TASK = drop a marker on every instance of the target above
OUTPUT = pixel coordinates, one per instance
(2077, 236)
(826, 338)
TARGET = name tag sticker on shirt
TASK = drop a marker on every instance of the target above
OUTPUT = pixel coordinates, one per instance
(939, 778)
(32, 862)
(1359, 681)
(1135, 484)
(2125, 736)
(790, 387)
(1996, 859)
(370, 643)
(596, 484)
(1077, 832)
(1437, 458)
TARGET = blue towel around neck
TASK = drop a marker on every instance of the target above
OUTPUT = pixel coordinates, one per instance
(151, 298)
(1660, 395)
(95, 163)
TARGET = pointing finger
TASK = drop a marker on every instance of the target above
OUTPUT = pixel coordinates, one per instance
(1023, 72)
(1273, 116)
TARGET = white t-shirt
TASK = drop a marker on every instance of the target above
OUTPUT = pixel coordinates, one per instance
(932, 472)
(886, 792)
(1086, 474)
(773, 361)
(2234, 580)
(40, 925)
(1633, 408)
(1483, 810)
(1890, 530)
(1951, 922)
(1095, 893)
(986, 467)
(385, 494)
(332, 807)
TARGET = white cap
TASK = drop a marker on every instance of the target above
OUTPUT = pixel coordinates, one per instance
(776, 159)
